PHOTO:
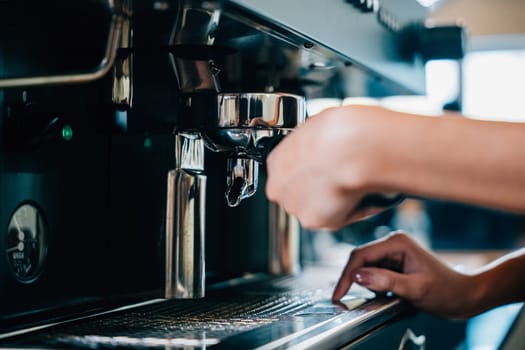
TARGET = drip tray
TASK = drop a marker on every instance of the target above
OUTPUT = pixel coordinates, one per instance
(179, 322)
(279, 312)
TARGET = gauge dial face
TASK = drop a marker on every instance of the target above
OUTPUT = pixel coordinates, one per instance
(26, 243)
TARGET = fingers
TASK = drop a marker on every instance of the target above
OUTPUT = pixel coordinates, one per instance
(394, 247)
(383, 280)
(362, 214)
(322, 206)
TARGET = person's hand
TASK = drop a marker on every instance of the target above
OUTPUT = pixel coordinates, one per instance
(321, 171)
(399, 265)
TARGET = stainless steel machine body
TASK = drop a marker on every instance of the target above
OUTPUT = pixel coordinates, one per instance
(101, 101)
(241, 125)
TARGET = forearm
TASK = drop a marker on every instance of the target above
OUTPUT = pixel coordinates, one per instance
(500, 283)
(454, 158)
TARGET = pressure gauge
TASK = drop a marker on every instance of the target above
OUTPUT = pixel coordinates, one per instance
(26, 246)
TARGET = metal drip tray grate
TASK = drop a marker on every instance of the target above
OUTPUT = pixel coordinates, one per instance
(273, 311)
(179, 323)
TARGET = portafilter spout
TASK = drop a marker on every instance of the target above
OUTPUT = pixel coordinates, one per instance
(247, 125)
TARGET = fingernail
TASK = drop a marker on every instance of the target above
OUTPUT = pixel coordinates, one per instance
(362, 277)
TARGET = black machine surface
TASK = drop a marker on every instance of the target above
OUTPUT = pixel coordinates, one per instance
(89, 102)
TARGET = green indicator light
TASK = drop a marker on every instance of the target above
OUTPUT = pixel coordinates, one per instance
(148, 143)
(67, 132)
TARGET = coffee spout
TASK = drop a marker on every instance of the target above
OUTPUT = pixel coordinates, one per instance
(241, 181)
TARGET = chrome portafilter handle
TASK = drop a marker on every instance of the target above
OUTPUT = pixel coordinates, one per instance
(248, 127)
(373, 200)
(244, 124)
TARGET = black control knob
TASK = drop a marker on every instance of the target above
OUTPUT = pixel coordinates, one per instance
(28, 125)
(432, 42)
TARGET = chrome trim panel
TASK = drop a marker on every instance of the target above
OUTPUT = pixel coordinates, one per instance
(105, 65)
(48, 325)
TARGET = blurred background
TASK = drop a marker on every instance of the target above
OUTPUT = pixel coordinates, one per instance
(487, 84)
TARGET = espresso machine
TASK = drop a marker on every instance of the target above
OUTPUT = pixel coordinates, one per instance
(132, 170)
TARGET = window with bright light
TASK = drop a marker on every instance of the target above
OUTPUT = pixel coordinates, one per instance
(493, 84)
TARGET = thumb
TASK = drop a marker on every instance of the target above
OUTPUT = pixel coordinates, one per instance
(383, 280)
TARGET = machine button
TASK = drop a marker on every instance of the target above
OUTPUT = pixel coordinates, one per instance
(364, 5)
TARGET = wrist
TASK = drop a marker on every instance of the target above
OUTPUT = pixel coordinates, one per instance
(498, 283)
(408, 161)
(477, 294)
(484, 292)
(389, 160)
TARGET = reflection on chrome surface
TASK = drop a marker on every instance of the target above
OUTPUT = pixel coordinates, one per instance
(94, 341)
